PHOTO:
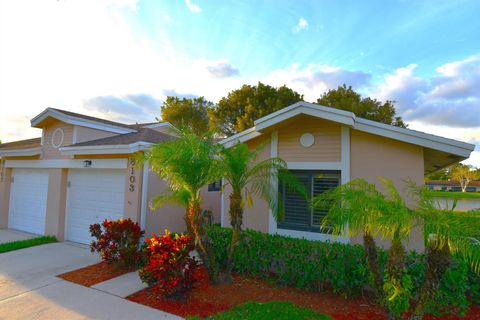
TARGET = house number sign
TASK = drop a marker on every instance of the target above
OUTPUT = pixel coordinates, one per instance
(132, 178)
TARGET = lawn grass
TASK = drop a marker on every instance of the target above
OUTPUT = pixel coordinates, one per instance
(266, 311)
(454, 195)
(21, 244)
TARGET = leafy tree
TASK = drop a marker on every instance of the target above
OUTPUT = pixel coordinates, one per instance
(346, 98)
(442, 174)
(464, 174)
(250, 178)
(192, 113)
(240, 108)
(187, 164)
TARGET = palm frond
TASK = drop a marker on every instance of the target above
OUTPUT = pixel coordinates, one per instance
(179, 197)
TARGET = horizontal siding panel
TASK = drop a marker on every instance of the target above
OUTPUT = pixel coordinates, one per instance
(327, 146)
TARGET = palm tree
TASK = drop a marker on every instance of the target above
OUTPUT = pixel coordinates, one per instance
(358, 208)
(446, 233)
(187, 164)
(249, 178)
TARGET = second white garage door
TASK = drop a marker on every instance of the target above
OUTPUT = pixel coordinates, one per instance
(93, 195)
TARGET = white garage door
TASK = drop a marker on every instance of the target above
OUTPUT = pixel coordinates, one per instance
(28, 200)
(93, 195)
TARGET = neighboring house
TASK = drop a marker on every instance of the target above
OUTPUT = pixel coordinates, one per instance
(452, 185)
(325, 147)
(81, 172)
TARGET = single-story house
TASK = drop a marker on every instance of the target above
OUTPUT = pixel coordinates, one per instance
(81, 170)
(452, 185)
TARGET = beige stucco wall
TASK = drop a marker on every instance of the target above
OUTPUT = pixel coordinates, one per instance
(372, 156)
(255, 217)
(5, 182)
(86, 134)
(327, 140)
(133, 190)
(167, 217)
(211, 200)
(49, 151)
(56, 203)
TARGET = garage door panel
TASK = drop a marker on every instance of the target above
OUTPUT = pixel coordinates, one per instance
(93, 195)
(28, 200)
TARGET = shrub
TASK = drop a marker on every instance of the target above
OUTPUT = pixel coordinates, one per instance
(168, 265)
(315, 265)
(117, 241)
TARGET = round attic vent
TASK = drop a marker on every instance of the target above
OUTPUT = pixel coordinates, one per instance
(307, 140)
(57, 138)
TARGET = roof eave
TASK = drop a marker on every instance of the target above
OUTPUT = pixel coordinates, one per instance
(21, 152)
(106, 149)
(49, 112)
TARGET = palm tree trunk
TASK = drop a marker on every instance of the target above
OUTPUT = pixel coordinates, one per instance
(373, 264)
(437, 261)
(236, 220)
(395, 268)
(203, 244)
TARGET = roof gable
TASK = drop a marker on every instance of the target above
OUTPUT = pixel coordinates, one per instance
(81, 120)
(457, 148)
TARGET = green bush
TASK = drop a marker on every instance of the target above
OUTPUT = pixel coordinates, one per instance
(316, 266)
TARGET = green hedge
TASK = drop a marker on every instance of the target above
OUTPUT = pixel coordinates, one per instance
(317, 266)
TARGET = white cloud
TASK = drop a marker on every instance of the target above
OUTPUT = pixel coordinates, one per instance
(51, 57)
(302, 24)
(221, 69)
(450, 98)
(195, 8)
(314, 79)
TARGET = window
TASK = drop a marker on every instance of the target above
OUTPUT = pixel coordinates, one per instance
(215, 186)
(298, 214)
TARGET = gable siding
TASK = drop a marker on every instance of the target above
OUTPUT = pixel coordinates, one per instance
(49, 151)
(327, 146)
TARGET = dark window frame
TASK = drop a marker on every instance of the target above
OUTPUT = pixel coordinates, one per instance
(215, 186)
(311, 225)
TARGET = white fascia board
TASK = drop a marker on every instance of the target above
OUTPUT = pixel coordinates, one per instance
(240, 137)
(108, 149)
(78, 121)
(68, 164)
(415, 137)
(21, 152)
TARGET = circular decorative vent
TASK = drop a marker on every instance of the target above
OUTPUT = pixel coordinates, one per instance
(307, 140)
(57, 137)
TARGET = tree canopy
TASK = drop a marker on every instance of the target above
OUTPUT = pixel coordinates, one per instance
(192, 113)
(346, 98)
(240, 108)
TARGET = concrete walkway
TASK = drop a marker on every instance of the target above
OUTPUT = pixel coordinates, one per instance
(8, 235)
(122, 286)
(29, 288)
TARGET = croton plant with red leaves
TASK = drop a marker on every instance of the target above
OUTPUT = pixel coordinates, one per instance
(169, 268)
(117, 241)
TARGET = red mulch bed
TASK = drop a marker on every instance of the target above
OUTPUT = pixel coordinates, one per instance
(96, 273)
(206, 300)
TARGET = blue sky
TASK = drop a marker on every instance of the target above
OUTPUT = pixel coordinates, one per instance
(120, 59)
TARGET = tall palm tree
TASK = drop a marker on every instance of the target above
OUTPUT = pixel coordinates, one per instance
(249, 178)
(446, 234)
(358, 208)
(187, 164)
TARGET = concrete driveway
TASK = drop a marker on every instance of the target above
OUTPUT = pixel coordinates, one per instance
(29, 288)
(7, 235)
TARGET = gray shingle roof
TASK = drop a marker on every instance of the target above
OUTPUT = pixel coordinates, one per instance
(144, 135)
